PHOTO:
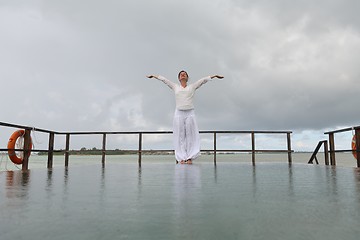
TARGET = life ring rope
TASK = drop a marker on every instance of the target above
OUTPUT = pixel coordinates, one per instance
(353, 146)
(16, 142)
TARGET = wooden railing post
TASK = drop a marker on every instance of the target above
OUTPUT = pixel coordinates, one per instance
(103, 149)
(357, 136)
(140, 148)
(214, 148)
(51, 150)
(326, 153)
(27, 151)
(67, 146)
(332, 149)
(289, 147)
(253, 148)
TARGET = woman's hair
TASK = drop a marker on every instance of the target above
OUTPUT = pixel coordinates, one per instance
(184, 72)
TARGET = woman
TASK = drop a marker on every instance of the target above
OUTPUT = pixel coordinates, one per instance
(185, 129)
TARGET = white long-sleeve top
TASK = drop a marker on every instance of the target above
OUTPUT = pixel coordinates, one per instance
(184, 96)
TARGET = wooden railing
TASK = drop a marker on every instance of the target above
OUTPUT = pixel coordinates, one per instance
(316, 151)
(332, 150)
(140, 150)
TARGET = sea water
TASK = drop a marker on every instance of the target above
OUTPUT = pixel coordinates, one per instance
(162, 200)
(36, 161)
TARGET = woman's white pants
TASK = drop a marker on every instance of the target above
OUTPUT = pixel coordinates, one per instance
(186, 135)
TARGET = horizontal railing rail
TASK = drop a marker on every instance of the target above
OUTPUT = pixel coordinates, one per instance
(3, 124)
(140, 149)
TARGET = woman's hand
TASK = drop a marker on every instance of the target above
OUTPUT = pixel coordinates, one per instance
(152, 76)
(217, 76)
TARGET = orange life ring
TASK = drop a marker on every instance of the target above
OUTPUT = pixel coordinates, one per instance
(11, 146)
(353, 146)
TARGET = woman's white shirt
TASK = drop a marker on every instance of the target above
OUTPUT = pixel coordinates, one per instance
(184, 96)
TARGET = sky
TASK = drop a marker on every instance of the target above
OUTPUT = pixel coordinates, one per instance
(80, 65)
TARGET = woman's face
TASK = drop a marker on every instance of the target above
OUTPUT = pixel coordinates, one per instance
(183, 76)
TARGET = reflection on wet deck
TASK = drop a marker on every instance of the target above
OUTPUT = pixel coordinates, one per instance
(166, 201)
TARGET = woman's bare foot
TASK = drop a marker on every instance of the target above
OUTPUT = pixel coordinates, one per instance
(189, 161)
(182, 161)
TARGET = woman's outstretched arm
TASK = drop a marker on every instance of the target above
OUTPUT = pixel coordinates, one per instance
(204, 80)
(164, 80)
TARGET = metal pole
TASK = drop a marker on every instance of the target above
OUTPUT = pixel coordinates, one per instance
(103, 150)
(357, 136)
(140, 147)
(332, 149)
(215, 148)
(253, 148)
(289, 147)
(67, 146)
(326, 153)
(51, 150)
(27, 151)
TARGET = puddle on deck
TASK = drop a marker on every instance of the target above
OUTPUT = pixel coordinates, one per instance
(168, 201)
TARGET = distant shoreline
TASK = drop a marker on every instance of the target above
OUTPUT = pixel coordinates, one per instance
(135, 152)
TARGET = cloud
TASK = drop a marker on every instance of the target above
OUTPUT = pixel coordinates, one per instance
(81, 65)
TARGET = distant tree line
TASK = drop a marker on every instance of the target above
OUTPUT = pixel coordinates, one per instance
(92, 151)
(96, 151)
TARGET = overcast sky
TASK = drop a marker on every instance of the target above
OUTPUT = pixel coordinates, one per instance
(80, 65)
